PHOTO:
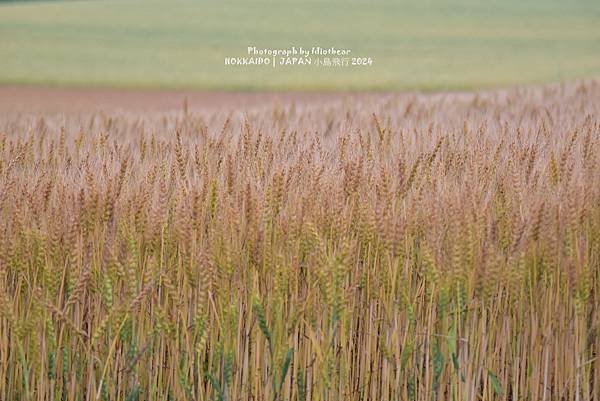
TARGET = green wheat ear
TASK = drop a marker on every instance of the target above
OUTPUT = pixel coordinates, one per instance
(51, 365)
(104, 392)
(216, 386)
(301, 385)
(495, 383)
(285, 367)
(228, 368)
(261, 316)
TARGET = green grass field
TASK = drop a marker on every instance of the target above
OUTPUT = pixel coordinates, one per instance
(460, 44)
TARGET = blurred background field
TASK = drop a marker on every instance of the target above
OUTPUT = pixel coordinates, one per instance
(427, 45)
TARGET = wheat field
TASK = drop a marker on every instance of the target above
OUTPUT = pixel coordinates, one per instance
(434, 45)
(380, 247)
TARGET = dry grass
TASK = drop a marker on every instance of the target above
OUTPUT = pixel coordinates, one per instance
(384, 248)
